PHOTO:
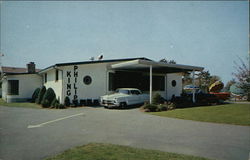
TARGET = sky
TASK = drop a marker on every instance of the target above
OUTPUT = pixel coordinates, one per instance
(211, 34)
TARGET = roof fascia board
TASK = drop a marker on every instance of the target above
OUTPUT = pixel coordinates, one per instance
(46, 69)
(122, 64)
(156, 64)
(88, 62)
(162, 64)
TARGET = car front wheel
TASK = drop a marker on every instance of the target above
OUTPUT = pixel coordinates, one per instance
(123, 104)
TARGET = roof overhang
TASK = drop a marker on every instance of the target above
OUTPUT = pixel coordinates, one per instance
(158, 67)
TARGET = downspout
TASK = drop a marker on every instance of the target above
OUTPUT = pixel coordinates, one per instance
(62, 95)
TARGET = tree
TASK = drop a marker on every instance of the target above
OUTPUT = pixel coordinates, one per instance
(228, 85)
(242, 76)
(204, 79)
(187, 79)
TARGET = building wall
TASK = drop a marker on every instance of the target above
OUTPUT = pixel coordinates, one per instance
(27, 84)
(73, 86)
(52, 83)
(73, 83)
(173, 90)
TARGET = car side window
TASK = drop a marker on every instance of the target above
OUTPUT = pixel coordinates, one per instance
(136, 92)
(124, 91)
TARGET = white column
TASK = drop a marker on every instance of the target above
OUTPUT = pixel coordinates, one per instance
(193, 72)
(150, 84)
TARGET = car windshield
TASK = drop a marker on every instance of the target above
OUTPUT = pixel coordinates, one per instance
(122, 91)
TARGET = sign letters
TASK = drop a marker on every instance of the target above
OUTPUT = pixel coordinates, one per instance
(69, 85)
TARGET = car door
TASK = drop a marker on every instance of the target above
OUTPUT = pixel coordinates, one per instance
(135, 97)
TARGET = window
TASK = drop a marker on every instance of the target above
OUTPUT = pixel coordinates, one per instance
(56, 75)
(173, 83)
(13, 87)
(45, 78)
(87, 80)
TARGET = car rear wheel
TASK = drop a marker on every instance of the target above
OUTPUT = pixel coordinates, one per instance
(123, 104)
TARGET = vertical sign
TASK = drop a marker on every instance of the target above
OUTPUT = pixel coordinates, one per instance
(69, 85)
(75, 81)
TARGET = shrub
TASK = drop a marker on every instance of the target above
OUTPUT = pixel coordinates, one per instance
(75, 102)
(61, 106)
(67, 101)
(35, 95)
(162, 107)
(40, 95)
(48, 97)
(171, 106)
(54, 102)
(157, 99)
(45, 103)
(150, 107)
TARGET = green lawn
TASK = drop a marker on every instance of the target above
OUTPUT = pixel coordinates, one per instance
(97, 151)
(19, 104)
(238, 114)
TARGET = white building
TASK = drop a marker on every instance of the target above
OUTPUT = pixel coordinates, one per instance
(92, 79)
(18, 84)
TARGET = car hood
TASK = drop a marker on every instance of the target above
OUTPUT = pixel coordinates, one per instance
(113, 96)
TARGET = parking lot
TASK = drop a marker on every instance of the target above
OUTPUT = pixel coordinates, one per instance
(34, 134)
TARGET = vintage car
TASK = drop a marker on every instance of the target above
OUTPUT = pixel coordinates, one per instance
(124, 97)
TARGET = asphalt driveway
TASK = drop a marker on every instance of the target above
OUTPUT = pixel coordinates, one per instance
(34, 134)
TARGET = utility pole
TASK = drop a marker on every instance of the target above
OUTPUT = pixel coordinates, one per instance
(1, 55)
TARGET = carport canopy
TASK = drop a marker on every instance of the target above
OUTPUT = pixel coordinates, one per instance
(157, 67)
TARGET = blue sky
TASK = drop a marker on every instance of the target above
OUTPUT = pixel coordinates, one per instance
(210, 34)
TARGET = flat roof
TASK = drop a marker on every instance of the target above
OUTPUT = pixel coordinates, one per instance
(139, 64)
(158, 67)
(92, 62)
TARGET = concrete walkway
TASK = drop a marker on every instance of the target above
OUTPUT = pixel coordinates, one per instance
(34, 134)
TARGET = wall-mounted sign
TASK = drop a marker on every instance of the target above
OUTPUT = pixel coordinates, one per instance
(69, 85)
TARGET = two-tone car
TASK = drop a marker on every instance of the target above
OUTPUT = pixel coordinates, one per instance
(124, 97)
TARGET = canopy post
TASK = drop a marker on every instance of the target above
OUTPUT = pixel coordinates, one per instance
(193, 72)
(150, 84)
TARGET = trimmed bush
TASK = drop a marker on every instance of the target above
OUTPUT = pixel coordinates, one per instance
(48, 97)
(67, 101)
(54, 102)
(45, 103)
(150, 107)
(40, 95)
(61, 106)
(35, 95)
(172, 106)
(75, 103)
(157, 99)
(162, 107)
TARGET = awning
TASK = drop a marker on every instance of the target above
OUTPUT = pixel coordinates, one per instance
(155, 67)
(158, 67)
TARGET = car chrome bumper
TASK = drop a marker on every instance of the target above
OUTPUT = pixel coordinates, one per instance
(109, 104)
